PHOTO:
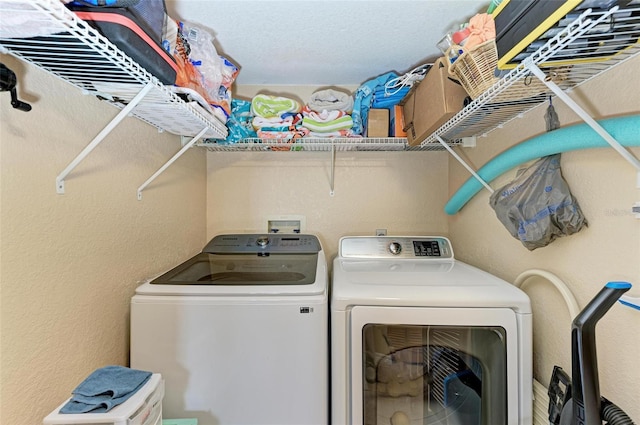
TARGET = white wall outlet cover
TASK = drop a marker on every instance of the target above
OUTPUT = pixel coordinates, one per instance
(287, 223)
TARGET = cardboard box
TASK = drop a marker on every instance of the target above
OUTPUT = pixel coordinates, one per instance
(397, 122)
(378, 123)
(431, 103)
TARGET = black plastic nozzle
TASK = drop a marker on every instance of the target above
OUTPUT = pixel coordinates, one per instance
(584, 363)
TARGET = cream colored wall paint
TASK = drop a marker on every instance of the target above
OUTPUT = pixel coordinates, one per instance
(70, 263)
(609, 249)
(400, 191)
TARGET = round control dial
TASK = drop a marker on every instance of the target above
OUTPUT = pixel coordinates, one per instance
(262, 241)
(395, 248)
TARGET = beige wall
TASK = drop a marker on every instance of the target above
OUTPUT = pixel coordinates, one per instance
(402, 192)
(70, 263)
(609, 249)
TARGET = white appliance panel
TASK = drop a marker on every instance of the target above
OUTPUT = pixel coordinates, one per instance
(411, 282)
(233, 362)
(413, 286)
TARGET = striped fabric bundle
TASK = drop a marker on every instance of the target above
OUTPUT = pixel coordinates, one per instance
(267, 106)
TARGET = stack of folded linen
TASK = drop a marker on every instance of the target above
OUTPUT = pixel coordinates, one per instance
(327, 114)
(277, 117)
(105, 388)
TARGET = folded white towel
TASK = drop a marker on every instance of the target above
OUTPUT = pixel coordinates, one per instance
(324, 116)
(259, 122)
(343, 123)
(268, 106)
(331, 100)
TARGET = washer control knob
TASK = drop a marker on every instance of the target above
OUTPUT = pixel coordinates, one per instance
(395, 248)
(262, 241)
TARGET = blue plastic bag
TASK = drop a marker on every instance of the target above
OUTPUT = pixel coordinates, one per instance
(239, 123)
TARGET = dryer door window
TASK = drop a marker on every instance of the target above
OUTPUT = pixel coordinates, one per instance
(418, 369)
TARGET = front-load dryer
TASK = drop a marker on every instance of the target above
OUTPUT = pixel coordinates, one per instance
(420, 338)
(239, 332)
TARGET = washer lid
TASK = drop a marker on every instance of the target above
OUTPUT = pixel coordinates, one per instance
(243, 270)
(248, 265)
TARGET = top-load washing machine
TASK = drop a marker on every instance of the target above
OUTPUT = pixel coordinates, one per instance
(420, 338)
(239, 332)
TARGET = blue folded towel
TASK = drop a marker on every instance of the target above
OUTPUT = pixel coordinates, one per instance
(105, 388)
(385, 99)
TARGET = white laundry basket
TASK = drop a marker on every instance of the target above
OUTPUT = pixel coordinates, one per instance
(143, 408)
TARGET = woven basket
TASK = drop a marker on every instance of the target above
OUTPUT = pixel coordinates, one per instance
(475, 70)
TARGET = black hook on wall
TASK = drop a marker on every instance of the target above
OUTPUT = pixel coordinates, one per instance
(8, 82)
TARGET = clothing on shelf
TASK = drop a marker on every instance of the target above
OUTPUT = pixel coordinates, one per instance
(330, 100)
(331, 134)
(344, 122)
(328, 114)
(240, 122)
(277, 117)
(268, 106)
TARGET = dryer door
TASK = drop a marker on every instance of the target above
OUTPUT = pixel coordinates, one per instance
(433, 366)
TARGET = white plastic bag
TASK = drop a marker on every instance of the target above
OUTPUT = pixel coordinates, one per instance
(203, 56)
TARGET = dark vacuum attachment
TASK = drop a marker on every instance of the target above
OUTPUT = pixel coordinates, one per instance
(577, 401)
(8, 82)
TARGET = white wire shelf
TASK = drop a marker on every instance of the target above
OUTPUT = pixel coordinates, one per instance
(582, 47)
(73, 51)
(318, 144)
(590, 44)
(586, 46)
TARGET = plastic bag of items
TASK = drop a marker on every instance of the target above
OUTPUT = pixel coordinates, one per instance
(537, 206)
(239, 123)
(201, 68)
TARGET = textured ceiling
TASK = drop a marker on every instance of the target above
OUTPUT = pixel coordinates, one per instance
(324, 42)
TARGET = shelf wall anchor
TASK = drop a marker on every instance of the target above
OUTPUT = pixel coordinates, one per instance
(101, 136)
(170, 161)
(464, 164)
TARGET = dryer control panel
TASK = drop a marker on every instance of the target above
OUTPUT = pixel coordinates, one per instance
(404, 247)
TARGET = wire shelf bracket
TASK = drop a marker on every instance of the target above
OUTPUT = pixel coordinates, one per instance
(464, 164)
(101, 136)
(173, 159)
(96, 66)
(588, 119)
